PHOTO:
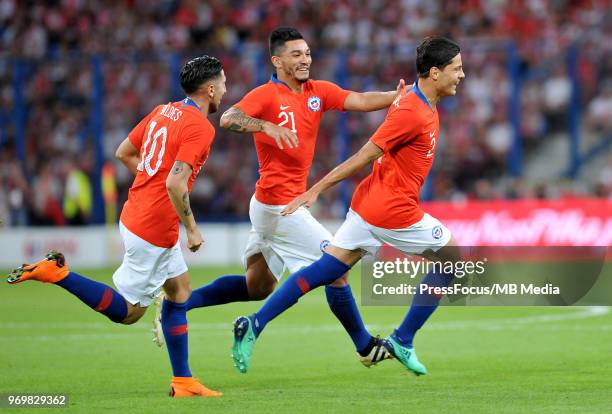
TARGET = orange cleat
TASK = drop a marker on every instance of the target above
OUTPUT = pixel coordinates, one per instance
(51, 269)
(190, 387)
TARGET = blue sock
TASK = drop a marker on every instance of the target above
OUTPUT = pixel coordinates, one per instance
(96, 295)
(174, 325)
(322, 272)
(224, 289)
(342, 304)
(423, 305)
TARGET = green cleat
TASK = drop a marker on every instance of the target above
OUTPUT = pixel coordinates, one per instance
(407, 356)
(244, 341)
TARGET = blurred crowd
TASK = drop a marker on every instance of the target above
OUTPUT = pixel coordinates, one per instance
(363, 45)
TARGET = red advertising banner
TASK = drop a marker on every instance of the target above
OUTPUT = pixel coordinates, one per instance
(570, 222)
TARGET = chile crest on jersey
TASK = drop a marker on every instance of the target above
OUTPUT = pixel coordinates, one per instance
(314, 103)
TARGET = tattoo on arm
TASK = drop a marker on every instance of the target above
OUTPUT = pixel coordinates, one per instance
(177, 168)
(237, 128)
(241, 122)
(186, 206)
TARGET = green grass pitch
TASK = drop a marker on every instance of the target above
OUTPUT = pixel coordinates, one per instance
(481, 360)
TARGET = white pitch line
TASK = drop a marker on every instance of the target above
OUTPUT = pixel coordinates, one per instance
(279, 331)
(223, 329)
(589, 312)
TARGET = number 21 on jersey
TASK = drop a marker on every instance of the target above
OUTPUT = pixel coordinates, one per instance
(285, 116)
(151, 145)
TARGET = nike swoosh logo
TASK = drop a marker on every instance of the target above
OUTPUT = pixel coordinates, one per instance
(284, 107)
(432, 134)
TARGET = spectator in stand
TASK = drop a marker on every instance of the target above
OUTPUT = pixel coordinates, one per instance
(14, 186)
(77, 193)
(598, 114)
(45, 198)
(556, 96)
(137, 39)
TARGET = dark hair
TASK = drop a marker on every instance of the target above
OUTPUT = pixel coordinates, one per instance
(280, 36)
(199, 70)
(435, 51)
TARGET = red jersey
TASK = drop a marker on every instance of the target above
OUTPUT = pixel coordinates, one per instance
(283, 174)
(389, 196)
(176, 131)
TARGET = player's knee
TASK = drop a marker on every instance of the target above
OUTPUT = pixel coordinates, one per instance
(179, 296)
(131, 319)
(261, 291)
(268, 290)
(260, 282)
(185, 291)
(341, 282)
(178, 291)
(450, 252)
(135, 312)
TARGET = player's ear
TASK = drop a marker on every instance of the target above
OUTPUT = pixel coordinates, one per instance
(276, 62)
(210, 90)
(434, 72)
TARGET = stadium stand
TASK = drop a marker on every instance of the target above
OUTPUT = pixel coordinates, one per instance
(61, 60)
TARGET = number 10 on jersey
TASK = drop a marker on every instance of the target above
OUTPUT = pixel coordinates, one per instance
(150, 145)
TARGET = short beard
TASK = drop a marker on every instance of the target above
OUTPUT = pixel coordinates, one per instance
(302, 80)
(292, 75)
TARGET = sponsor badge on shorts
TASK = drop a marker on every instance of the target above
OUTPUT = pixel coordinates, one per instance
(314, 103)
(436, 232)
(324, 245)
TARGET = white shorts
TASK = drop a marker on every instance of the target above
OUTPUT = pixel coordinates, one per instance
(286, 242)
(146, 268)
(427, 234)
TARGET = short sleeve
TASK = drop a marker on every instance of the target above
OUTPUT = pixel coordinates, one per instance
(253, 102)
(333, 95)
(400, 126)
(196, 140)
(137, 133)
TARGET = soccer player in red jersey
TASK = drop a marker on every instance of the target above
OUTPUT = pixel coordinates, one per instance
(284, 116)
(165, 151)
(385, 206)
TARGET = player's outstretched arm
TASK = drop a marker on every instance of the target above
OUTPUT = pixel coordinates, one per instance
(368, 153)
(127, 153)
(373, 101)
(236, 120)
(178, 191)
